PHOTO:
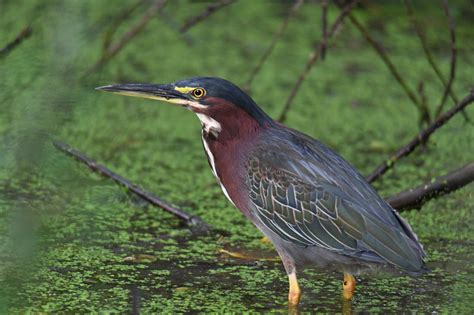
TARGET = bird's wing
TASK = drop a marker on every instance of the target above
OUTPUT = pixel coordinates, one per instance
(303, 207)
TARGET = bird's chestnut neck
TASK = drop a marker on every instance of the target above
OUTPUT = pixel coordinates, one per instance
(224, 121)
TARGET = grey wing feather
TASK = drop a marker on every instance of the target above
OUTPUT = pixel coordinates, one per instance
(310, 196)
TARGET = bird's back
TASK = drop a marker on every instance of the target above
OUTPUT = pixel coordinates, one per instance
(309, 195)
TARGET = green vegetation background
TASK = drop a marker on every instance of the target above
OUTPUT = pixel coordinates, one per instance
(64, 232)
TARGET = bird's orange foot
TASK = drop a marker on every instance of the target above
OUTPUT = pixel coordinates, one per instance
(294, 295)
(265, 240)
(249, 255)
(348, 286)
(237, 255)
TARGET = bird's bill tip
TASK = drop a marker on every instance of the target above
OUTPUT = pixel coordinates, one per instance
(106, 88)
(131, 87)
(127, 89)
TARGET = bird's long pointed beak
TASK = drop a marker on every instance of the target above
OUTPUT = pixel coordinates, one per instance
(161, 92)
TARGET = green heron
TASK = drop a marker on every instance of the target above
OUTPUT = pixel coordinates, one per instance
(311, 203)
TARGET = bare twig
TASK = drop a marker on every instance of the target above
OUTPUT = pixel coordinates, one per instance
(423, 98)
(175, 25)
(314, 57)
(424, 112)
(205, 14)
(424, 45)
(195, 223)
(452, 71)
(416, 197)
(25, 33)
(324, 26)
(276, 38)
(422, 137)
(124, 15)
(114, 48)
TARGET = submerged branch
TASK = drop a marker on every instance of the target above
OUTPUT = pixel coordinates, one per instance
(276, 37)
(314, 57)
(196, 224)
(422, 137)
(416, 197)
(25, 33)
(205, 14)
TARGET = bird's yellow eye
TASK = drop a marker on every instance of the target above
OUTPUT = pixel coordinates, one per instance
(199, 92)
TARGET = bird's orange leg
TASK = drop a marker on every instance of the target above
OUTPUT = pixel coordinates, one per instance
(294, 295)
(348, 286)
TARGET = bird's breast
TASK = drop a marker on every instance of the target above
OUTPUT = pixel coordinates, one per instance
(212, 164)
(227, 163)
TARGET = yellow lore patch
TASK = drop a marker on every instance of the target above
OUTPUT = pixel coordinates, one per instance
(184, 90)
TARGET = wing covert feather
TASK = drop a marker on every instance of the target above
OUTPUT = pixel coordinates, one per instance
(318, 213)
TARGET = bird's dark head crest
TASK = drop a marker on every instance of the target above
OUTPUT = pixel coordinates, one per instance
(216, 91)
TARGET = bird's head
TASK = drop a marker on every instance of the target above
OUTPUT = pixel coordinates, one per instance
(219, 104)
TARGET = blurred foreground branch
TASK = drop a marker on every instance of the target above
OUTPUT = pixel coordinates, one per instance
(315, 56)
(24, 34)
(422, 137)
(114, 48)
(196, 224)
(205, 14)
(276, 37)
(416, 197)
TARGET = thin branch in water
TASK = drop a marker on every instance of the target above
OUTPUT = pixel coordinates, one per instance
(24, 34)
(114, 48)
(424, 112)
(423, 99)
(324, 26)
(416, 197)
(452, 71)
(276, 37)
(153, 10)
(174, 24)
(422, 137)
(196, 224)
(314, 57)
(424, 45)
(205, 14)
(124, 15)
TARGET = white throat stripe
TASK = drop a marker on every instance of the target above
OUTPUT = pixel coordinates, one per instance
(209, 124)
